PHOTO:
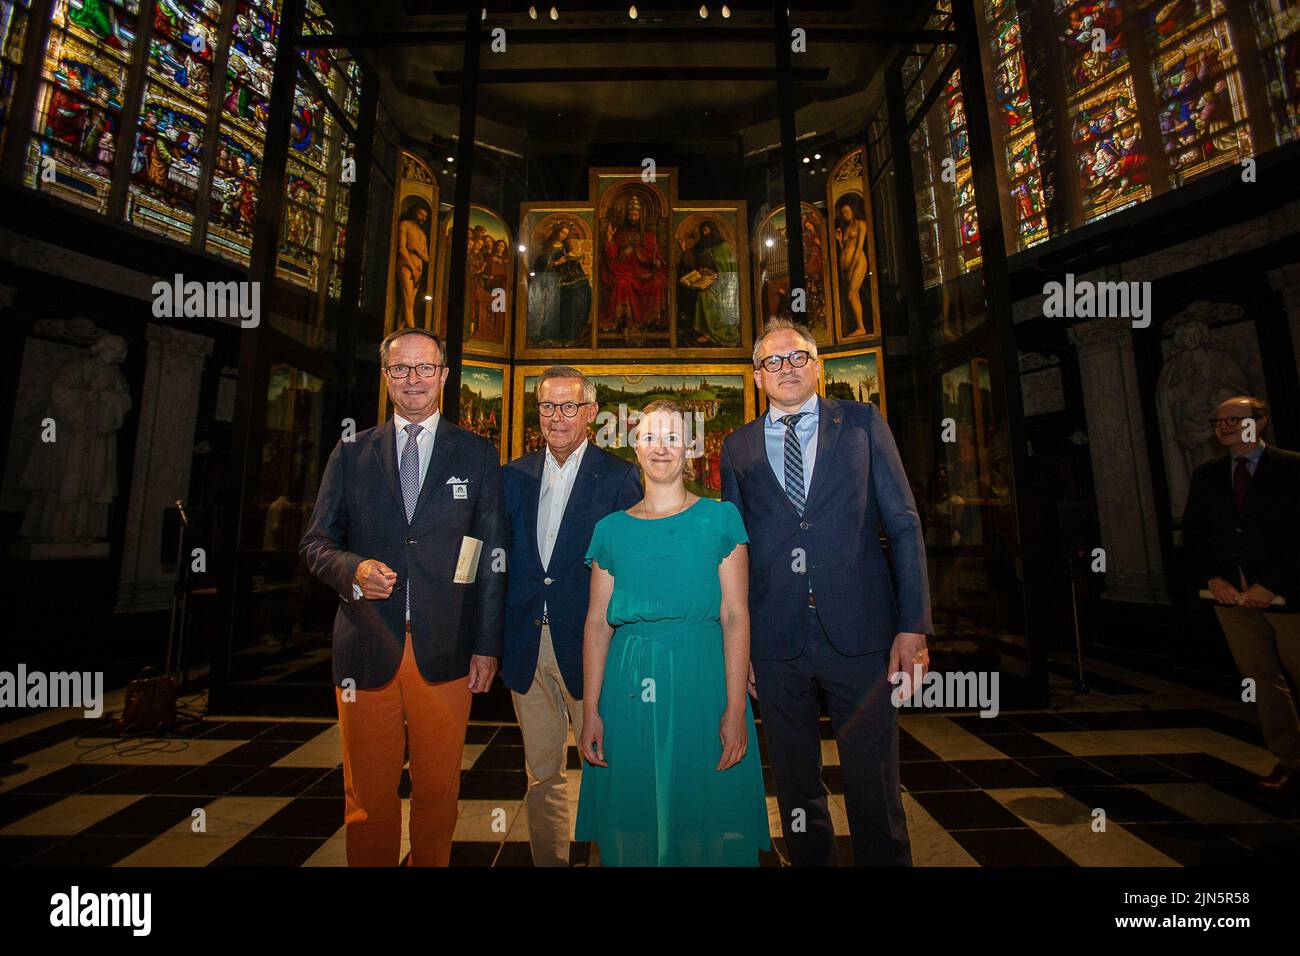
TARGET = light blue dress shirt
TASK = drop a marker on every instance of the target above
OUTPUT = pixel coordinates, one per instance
(774, 440)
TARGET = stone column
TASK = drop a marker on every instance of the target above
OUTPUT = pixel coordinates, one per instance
(1120, 462)
(160, 474)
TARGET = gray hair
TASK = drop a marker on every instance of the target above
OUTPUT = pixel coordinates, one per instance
(778, 325)
(566, 371)
(398, 332)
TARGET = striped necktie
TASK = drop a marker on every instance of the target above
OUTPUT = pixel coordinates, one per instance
(793, 462)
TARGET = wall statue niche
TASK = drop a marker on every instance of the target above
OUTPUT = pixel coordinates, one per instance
(72, 480)
(1210, 355)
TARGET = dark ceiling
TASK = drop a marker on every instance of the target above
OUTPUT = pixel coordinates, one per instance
(669, 76)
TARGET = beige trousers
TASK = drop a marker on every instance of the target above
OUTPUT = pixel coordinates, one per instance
(545, 713)
(1266, 647)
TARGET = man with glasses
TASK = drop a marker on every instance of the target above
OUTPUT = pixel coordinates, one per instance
(553, 499)
(1242, 533)
(815, 479)
(408, 530)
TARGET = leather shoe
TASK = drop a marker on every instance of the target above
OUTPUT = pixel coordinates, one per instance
(1281, 780)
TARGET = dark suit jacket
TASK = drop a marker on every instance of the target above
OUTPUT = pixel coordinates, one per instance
(359, 514)
(605, 484)
(857, 485)
(1264, 542)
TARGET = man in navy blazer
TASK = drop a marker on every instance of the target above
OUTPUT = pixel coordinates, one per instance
(553, 499)
(408, 531)
(815, 480)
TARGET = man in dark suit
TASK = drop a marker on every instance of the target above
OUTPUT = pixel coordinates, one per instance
(408, 530)
(1241, 528)
(814, 480)
(553, 499)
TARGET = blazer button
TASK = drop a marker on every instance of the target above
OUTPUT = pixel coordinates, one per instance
(410, 541)
(804, 525)
(546, 581)
(397, 587)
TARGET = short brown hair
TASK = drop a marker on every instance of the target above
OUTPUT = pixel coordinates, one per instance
(398, 332)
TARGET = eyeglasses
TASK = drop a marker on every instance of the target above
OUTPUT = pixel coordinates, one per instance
(797, 359)
(1232, 421)
(547, 409)
(424, 370)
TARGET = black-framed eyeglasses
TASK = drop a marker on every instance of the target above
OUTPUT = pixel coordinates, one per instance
(424, 370)
(1232, 421)
(568, 409)
(797, 359)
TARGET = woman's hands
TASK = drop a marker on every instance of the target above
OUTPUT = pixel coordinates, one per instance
(734, 739)
(593, 739)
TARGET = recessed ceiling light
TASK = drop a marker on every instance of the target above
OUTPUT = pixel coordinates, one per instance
(532, 12)
(726, 12)
(631, 12)
(555, 14)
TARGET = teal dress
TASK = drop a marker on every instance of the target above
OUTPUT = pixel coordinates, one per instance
(661, 802)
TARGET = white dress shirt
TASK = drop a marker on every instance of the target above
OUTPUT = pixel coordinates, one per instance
(423, 445)
(557, 484)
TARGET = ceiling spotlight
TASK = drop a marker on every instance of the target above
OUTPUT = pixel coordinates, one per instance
(451, 159)
(631, 12)
(555, 14)
(806, 159)
(532, 12)
(704, 12)
(428, 298)
(531, 274)
(726, 12)
(522, 247)
(484, 17)
(817, 155)
(769, 242)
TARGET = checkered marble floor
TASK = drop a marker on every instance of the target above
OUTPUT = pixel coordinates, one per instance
(1172, 768)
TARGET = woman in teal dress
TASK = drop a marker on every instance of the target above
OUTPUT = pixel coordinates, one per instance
(671, 773)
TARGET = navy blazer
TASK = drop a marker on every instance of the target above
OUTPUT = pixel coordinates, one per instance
(605, 483)
(858, 485)
(360, 514)
(1264, 542)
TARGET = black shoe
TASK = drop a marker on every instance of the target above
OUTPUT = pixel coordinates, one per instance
(1282, 780)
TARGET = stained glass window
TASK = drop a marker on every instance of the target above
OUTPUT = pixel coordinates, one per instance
(79, 104)
(315, 218)
(1198, 88)
(14, 17)
(1092, 32)
(1277, 28)
(1020, 175)
(245, 105)
(168, 154)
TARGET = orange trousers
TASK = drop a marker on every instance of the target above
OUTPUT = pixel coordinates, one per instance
(375, 729)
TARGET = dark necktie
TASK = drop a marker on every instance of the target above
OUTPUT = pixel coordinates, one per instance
(1240, 485)
(793, 462)
(409, 469)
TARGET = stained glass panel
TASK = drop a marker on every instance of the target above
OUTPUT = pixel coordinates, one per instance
(1020, 175)
(1111, 162)
(1277, 31)
(79, 101)
(1092, 32)
(250, 66)
(14, 17)
(168, 154)
(1202, 107)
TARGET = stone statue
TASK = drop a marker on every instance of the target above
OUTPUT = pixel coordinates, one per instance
(1195, 378)
(73, 479)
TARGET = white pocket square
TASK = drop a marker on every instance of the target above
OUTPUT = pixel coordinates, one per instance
(453, 480)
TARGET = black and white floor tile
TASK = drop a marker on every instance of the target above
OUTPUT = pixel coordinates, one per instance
(1173, 770)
